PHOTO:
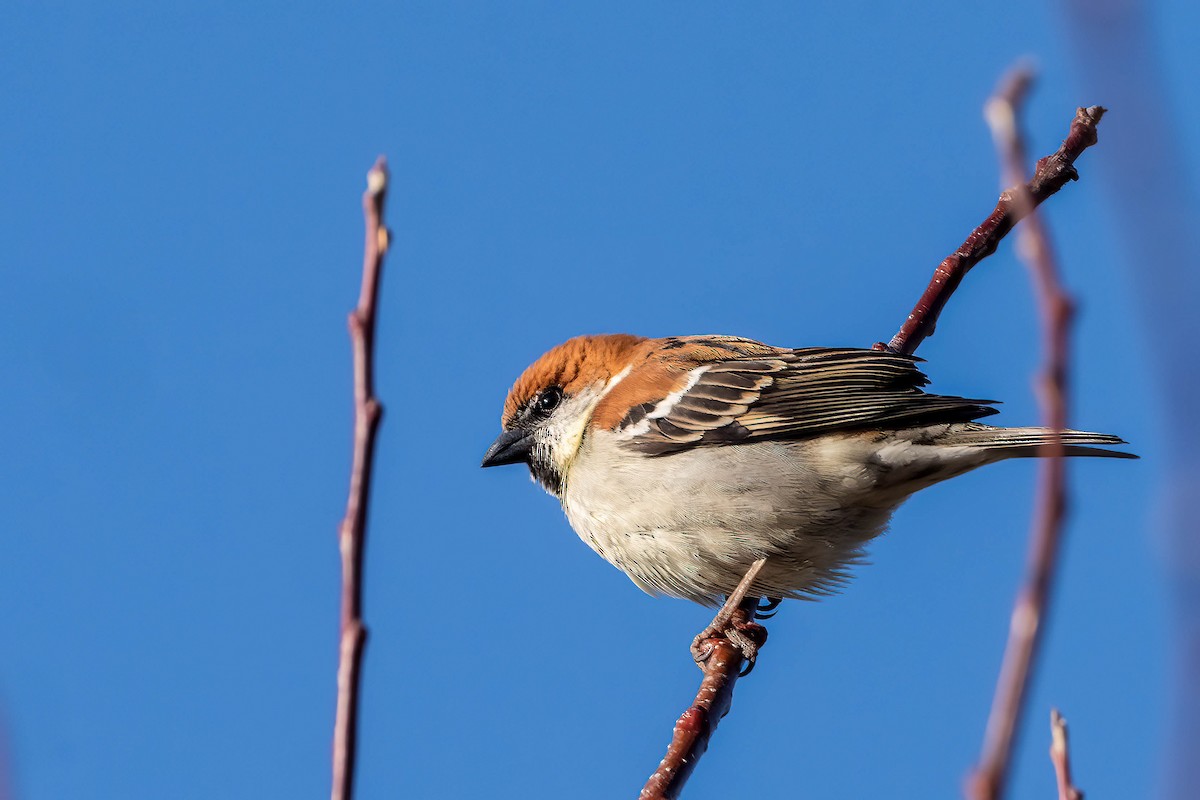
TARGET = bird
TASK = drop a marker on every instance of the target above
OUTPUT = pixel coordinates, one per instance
(683, 461)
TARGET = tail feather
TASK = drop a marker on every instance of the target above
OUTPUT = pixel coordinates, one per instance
(1030, 442)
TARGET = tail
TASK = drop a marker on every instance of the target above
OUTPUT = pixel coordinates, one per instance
(1032, 442)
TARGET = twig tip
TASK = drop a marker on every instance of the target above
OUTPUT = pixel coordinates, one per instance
(1000, 110)
(1058, 732)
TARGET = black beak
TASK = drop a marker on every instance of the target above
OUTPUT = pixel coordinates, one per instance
(510, 447)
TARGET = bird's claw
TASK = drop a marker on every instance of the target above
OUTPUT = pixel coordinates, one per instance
(767, 608)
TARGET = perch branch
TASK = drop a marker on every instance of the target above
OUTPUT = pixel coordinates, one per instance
(695, 727)
(721, 670)
(1052, 173)
(1060, 755)
(352, 532)
(1056, 311)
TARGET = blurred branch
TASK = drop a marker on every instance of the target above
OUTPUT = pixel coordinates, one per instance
(1120, 54)
(351, 535)
(1052, 173)
(1056, 310)
(1060, 755)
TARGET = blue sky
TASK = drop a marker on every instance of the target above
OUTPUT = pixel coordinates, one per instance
(182, 241)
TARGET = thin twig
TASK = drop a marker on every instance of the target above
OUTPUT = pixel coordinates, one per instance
(1060, 756)
(1052, 173)
(351, 534)
(713, 699)
(1056, 310)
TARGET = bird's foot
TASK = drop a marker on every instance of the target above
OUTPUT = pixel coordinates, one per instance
(735, 624)
(744, 634)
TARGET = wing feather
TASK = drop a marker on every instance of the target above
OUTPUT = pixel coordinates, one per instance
(742, 390)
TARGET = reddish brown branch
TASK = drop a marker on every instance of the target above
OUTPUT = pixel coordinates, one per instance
(352, 532)
(1051, 174)
(1056, 311)
(1060, 756)
(694, 728)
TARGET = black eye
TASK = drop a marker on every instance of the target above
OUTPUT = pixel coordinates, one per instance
(548, 400)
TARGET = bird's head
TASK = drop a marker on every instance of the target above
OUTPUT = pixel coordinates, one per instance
(551, 406)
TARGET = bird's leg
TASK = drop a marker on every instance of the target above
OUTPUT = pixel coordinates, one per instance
(735, 622)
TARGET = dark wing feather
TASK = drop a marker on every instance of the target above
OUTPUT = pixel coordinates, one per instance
(793, 394)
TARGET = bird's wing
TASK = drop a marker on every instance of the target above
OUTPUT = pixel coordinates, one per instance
(736, 390)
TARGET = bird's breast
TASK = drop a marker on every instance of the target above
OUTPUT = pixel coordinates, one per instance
(679, 524)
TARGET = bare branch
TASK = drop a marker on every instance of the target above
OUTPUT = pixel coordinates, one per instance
(1056, 310)
(352, 532)
(695, 727)
(1052, 173)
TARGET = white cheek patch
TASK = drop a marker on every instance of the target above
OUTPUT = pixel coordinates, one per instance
(663, 407)
(563, 432)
